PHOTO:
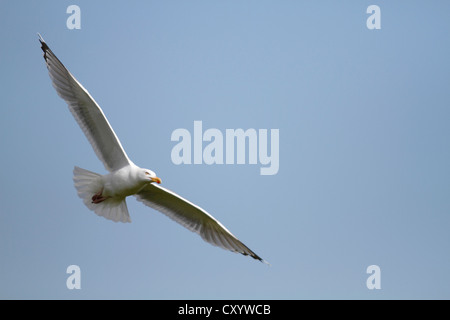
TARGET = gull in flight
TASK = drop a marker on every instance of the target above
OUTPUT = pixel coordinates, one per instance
(106, 194)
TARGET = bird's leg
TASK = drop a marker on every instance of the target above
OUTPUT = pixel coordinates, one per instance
(98, 197)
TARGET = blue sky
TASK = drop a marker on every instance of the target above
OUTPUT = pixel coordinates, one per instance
(363, 178)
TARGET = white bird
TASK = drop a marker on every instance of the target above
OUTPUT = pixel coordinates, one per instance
(106, 194)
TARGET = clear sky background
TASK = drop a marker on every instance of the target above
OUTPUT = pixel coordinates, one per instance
(364, 174)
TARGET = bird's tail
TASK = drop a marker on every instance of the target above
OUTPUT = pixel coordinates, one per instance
(88, 184)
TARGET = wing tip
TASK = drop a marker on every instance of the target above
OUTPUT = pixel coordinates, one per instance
(265, 262)
(256, 257)
(44, 45)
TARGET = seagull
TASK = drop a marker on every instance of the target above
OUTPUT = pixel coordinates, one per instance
(106, 194)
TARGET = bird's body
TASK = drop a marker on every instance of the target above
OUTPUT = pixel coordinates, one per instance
(106, 194)
(124, 182)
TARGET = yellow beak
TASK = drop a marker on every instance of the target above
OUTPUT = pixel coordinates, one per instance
(156, 179)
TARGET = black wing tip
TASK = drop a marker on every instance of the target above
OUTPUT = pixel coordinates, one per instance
(261, 260)
(44, 45)
(256, 257)
(41, 40)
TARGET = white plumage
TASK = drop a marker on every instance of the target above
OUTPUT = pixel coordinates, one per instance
(106, 194)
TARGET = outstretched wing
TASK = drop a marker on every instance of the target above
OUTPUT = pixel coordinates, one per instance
(86, 112)
(193, 218)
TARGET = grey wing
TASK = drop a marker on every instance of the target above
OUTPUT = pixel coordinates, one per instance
(193, 218)
(86, 112)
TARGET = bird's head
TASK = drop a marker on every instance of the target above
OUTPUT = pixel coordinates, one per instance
(150, 176)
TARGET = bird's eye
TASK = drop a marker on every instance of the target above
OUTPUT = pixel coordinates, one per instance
(147, 173)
